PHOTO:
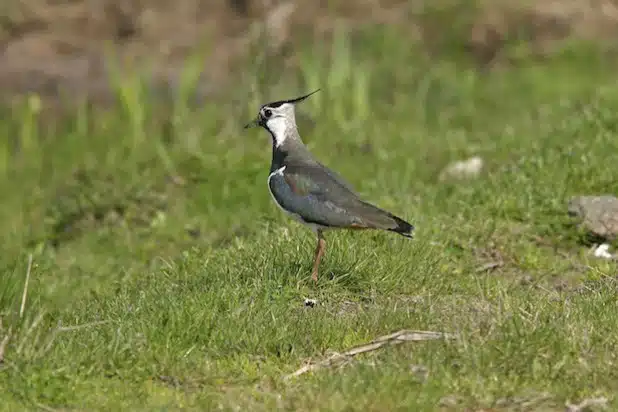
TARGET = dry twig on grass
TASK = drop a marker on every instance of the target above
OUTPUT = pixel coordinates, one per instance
(490, 266)
(587, 404)
(387, 340)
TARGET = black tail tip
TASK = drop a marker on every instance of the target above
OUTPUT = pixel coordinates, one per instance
(403, 228)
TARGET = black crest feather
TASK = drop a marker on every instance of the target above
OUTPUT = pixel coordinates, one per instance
(292, 101)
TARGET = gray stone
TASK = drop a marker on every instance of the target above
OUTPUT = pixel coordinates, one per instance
(598, 214)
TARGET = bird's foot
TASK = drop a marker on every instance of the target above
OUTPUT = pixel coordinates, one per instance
(314, 276)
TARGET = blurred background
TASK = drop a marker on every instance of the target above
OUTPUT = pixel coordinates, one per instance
(53, 47)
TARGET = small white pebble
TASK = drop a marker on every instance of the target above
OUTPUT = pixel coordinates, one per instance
(468, 168)
(602, 251)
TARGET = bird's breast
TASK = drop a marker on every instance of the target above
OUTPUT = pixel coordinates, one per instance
(278, 190)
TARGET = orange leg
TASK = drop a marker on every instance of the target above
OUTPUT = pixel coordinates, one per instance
(319, 252)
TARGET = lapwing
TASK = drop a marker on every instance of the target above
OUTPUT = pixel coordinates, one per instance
(311, 192)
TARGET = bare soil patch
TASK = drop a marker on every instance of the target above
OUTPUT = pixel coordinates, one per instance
(51, 47)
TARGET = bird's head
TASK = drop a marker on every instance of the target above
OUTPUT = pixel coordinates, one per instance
(278, 117)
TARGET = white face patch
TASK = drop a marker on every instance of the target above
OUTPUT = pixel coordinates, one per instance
(277, 126)
(280, 120)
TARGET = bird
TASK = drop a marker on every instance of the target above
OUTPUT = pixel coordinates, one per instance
(310, 192)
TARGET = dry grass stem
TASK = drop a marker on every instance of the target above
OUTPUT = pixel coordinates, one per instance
(83, 326)
(25, 294)
(3, 344)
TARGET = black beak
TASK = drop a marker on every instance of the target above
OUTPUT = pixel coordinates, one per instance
(253, 123)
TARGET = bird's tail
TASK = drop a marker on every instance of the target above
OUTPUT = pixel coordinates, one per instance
(403, 227)
(377, 218)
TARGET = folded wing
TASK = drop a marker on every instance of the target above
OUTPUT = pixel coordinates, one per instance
(318, 195)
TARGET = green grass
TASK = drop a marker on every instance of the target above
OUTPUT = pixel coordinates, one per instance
(164, 277)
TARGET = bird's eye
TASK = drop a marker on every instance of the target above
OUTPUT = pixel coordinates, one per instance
(268, 113)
